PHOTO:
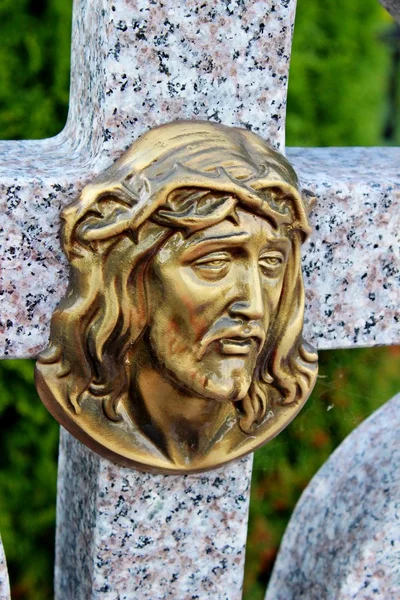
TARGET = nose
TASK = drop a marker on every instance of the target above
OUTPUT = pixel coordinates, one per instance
(249, 298)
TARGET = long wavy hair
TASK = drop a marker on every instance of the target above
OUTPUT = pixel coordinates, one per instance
(184, 176)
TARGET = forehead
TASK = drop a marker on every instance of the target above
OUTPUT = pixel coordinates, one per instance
(250, 231)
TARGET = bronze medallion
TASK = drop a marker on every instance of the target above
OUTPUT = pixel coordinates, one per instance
(178, 345)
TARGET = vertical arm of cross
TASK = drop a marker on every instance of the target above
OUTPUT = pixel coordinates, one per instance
(151, 535)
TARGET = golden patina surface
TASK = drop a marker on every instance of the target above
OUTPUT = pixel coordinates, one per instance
(178, 345)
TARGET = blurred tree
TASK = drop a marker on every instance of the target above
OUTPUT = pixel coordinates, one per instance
(28, 473)
(392, 128)
(338, 74)
(34, 67)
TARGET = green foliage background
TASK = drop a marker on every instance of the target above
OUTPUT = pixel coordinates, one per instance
(34, 67)
(337, 96)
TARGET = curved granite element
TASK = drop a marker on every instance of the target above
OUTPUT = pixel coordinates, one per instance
(4, 583)
(343, 540)
(393, 7)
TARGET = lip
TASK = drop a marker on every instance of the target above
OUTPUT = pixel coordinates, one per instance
(230, 337)
(236, 345)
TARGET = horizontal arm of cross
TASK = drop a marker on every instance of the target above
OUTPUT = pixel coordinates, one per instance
(350, 265)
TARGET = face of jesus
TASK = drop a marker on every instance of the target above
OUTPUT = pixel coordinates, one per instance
(213, 297)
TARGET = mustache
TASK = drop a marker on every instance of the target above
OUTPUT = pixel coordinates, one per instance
(232, 328)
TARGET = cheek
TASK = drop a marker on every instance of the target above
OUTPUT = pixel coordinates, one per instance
(177, 317)
(172, 338)
(272, 296)
(193, 306)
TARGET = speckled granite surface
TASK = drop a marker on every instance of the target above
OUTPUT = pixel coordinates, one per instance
(343, 540)
(154, 62)
(127, 535)
(4, 583)
(351, 264)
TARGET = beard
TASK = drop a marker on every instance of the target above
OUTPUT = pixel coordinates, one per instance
(210, 368)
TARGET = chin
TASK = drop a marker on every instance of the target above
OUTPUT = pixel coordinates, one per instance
(226, 381)
(230, 390)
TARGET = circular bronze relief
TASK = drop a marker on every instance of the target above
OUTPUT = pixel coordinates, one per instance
(178, 345)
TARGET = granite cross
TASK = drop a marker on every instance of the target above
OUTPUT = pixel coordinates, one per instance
(135, 65)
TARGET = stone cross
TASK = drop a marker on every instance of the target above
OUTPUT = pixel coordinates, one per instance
(123, 534)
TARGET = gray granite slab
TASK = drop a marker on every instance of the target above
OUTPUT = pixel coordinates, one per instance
(4, 583)
(343, 540)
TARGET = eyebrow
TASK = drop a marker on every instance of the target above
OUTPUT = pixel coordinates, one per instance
(242, 236)
(233, 239)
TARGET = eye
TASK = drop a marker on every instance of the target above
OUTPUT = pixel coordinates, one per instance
(271, 264)
(272, 260)
(215, 264)
(214, 259)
